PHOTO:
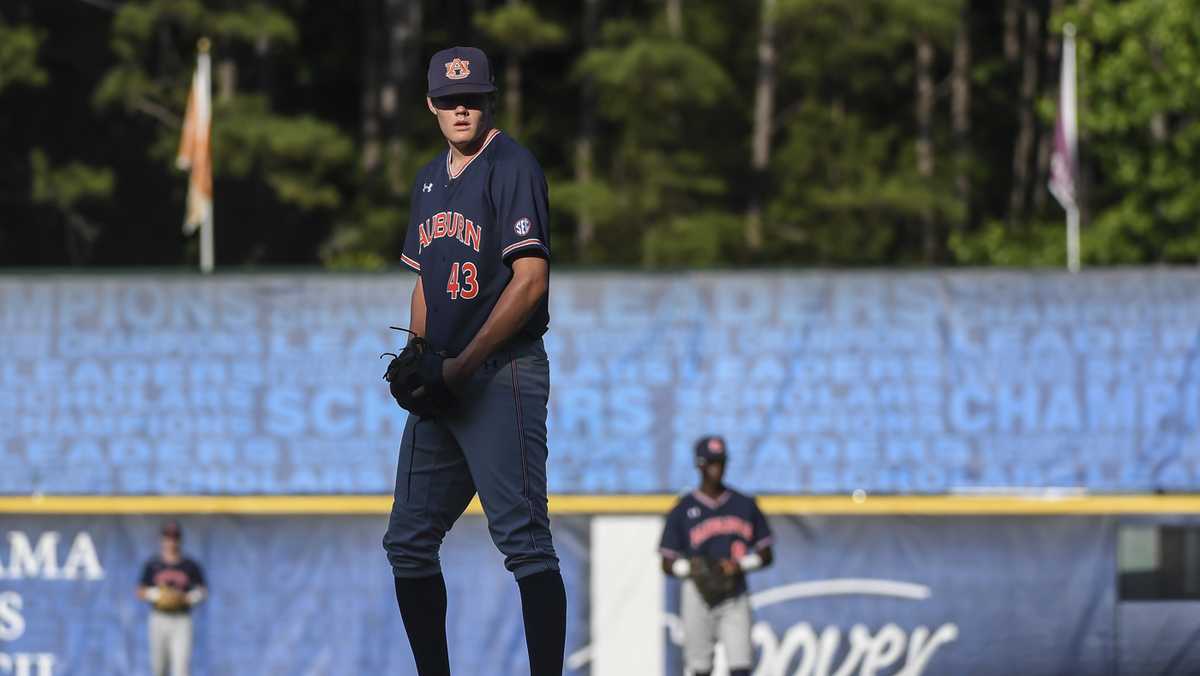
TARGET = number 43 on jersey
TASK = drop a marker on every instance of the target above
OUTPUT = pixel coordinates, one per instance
(468, 288)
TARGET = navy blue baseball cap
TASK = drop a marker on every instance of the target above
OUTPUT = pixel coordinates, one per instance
(460, 70)
(710, 449)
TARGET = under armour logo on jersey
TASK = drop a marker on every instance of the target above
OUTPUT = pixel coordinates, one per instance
(693, 512)
(457, 69)
(521, 227)
(428, 187)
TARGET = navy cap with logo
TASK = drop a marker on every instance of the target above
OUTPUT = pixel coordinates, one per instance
(460, 70)
(171, 529)
(710, 449)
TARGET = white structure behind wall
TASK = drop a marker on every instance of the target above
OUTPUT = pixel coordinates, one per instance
(627, 589)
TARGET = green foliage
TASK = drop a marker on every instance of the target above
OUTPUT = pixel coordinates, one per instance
(363, 243)
(1141, 84)
(66, 187)
(847, 192)
(369, 232)
(844, 180)
(519, 28)
(150, 78)
(298, 156)
(302, 159)
(641, 79)
(594, 197)
(670, 120)
(253, 24)
(655, 187)
(135, 23)
(18, 56)
(63, 192)
(862, 48)
(701, 239)
(1038, 244)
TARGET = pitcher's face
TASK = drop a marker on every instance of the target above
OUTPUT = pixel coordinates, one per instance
(461, 117)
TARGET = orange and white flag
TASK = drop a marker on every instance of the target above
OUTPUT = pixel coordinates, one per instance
(195, 153)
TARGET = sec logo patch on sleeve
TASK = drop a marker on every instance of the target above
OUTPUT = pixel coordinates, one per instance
(521, 227)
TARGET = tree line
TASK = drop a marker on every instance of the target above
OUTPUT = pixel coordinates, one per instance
(673, 132)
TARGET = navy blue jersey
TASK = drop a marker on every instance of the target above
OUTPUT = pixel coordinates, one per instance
(465, 231)
(183, 576)
(729, 527)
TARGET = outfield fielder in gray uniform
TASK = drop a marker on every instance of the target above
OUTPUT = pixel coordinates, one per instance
(479, 241)
(172, 584)
(717, 529)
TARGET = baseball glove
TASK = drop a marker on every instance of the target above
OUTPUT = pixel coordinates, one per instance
(712, 582)
(415, 378)
(170, 600)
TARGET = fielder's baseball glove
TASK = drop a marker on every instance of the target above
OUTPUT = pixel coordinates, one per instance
(712, 582)
(170, 600)
(415, 378)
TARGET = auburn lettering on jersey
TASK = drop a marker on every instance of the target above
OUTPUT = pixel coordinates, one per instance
(449, 224)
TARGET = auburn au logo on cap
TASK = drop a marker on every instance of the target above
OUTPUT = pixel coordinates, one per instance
(458, 69)
(715, 446)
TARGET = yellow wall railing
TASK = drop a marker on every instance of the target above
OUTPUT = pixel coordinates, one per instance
(942, 505)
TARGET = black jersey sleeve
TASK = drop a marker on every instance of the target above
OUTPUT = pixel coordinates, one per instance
(147, 577)
(674, 537)
(522, 205)
(762, 529)
(195, 576)
(410, 256)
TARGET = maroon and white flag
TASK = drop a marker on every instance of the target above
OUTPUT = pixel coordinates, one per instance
(1064, 161)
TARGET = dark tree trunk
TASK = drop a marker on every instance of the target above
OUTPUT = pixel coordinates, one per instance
(584, 146)
(1012, 30)
(512, 93)
(226, 76)
(675, 18)
(371, 130)
(925, 159)
(512, 87)
(764, 108)
(402, 68)
(960, 115)
(391, 67)
(1023, 148)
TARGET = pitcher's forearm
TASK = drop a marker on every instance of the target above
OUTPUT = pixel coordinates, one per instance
(416, 311)
(516, 304)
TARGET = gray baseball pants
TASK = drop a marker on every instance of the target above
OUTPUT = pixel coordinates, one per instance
(170, 643)
(727, 623)
(493, 443)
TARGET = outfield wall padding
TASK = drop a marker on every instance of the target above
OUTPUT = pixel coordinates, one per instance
(823, 382)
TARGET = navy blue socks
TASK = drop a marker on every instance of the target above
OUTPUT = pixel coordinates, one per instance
(544, 608)
(422, 602)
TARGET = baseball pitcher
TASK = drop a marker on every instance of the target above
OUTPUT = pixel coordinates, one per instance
(475, 377)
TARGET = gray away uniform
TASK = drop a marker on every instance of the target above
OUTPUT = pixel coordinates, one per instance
(170, 634)
(728, 527)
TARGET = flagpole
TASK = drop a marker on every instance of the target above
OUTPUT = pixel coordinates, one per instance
(1064, 160)
(206, 227)
(1073, 208)
(1073, 239)
(206, 245)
